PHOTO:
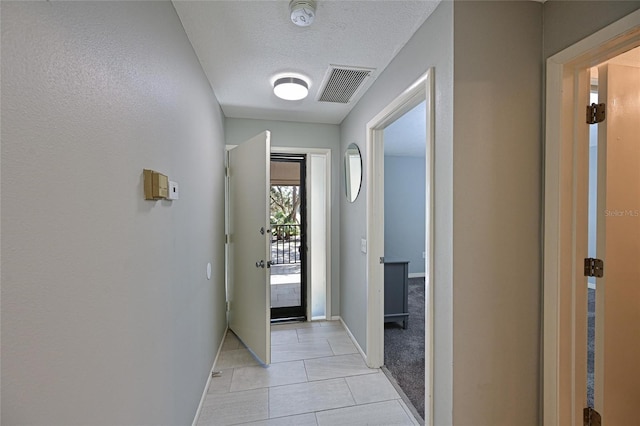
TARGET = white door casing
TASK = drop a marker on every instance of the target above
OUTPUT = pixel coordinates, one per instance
(318, 225)
(249, 290)
(564, 225)
(421, 90)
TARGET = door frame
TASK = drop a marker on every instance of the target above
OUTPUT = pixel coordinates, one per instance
(562, 217)
(421, 90)
(326, 152)
(287, 313)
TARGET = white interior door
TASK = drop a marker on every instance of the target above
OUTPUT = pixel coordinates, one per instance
(617, 347)
(249, 237)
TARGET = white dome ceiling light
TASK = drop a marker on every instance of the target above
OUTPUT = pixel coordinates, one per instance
(291, 88)
(302, 12)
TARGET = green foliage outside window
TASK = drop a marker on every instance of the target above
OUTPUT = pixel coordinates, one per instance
(285, 209)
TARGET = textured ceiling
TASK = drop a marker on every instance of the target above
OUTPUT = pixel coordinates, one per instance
(244, 45)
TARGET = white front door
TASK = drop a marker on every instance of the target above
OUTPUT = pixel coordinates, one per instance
(617, 336)
(249, 238)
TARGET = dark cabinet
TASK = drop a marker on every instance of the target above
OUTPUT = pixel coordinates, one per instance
(396, 291)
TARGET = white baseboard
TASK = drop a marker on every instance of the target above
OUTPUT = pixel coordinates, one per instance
(206, 386)
(355, 342)
(417, 275)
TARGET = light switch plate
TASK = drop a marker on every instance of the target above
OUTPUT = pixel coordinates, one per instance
(363, 245)
(174, 192)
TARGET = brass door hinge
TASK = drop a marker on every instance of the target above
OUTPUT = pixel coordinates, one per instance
(596, 113)
(591, 417)
(593, 267)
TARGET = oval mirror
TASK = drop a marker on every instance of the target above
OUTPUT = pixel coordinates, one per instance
(352, 171)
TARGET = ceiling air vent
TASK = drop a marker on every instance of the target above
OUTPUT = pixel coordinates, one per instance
(342, 83)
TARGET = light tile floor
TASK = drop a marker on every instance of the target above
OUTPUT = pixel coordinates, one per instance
(285, 284)
(317, 377)
(285, 294)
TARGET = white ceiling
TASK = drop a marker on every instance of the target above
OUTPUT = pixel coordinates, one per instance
(244, 45)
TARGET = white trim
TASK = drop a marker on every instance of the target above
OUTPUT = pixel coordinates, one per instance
(327, 154)
(417, 275)
(299, 150)
(206, 386)
(430, 241)
(559, 396)
(327, 307)
(421, 90)
(351, 336)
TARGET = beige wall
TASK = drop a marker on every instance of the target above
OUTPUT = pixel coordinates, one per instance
(107, 315)
(488, 190)
(497, 213)
(569, 21)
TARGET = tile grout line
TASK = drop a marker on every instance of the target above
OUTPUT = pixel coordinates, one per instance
(406, 403)
(306, 373)
(268, 402)
(329, 343)
(361, 405)
(351, 392)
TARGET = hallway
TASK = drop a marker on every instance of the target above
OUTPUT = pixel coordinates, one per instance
(317, 377)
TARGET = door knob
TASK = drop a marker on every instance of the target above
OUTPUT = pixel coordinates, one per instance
(260, 264)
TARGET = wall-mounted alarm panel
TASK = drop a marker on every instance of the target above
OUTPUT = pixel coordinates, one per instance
(156, 185)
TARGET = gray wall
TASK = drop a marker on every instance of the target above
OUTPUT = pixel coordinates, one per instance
(107, 314)
(488, 189)
(303, 135)
(431, 46)
(567, 22)
(404, 210)
(497, 212)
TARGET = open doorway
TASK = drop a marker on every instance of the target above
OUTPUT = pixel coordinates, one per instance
(247, 193)
(614, 238)
(422, 91)
(592, 214)
(404, 252)
(288, 215)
